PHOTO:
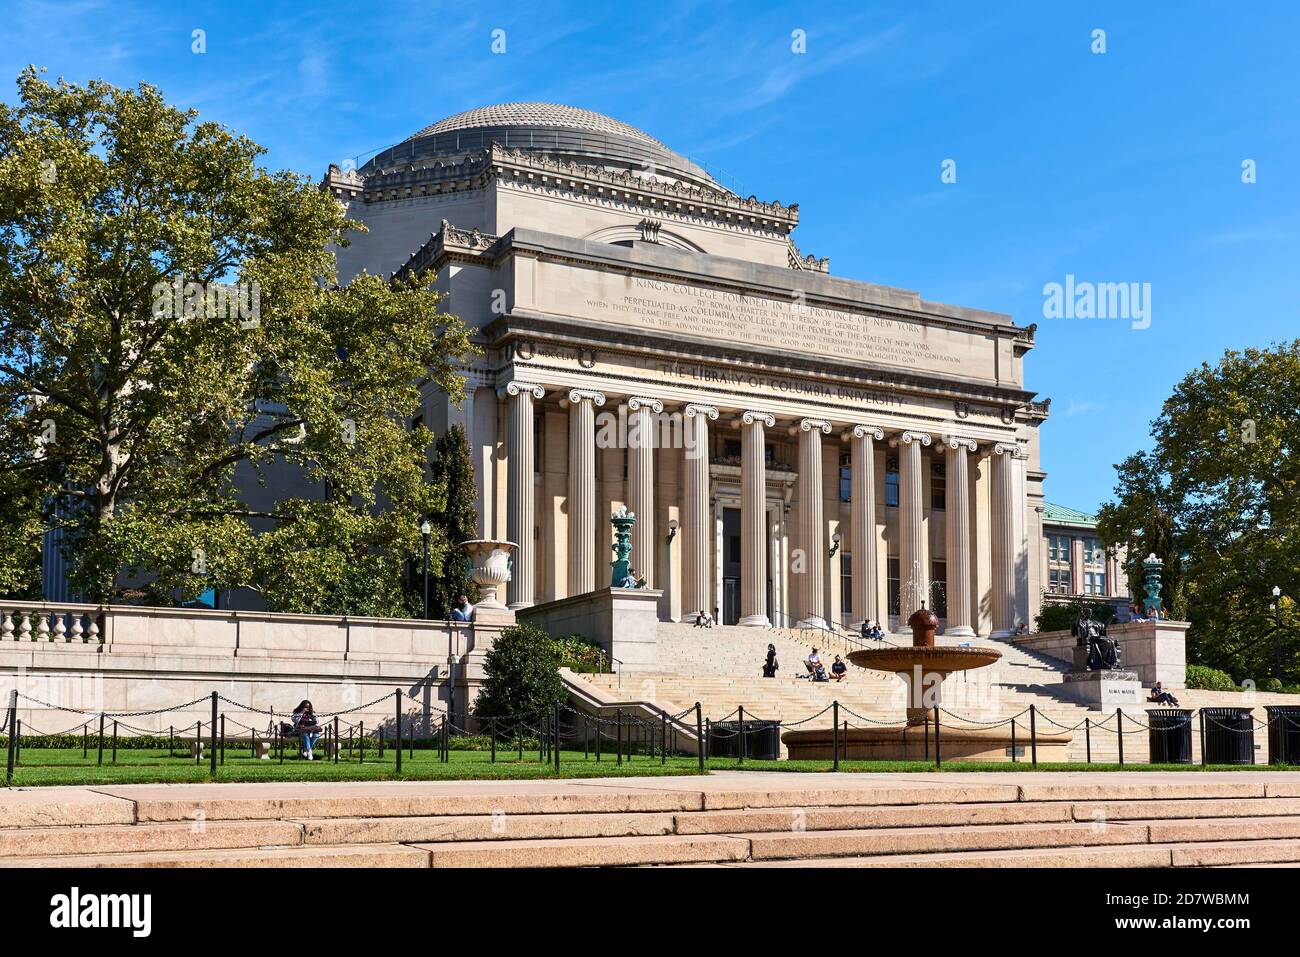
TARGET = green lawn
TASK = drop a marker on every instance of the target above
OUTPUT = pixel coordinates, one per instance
(51, 766)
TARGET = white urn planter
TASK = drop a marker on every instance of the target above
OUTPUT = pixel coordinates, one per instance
(490, 569)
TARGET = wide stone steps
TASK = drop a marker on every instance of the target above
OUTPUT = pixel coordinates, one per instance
(1141, 819)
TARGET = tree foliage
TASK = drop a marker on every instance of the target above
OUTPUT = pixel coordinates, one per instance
(1217, 500)
(453, 471)
(160, 430)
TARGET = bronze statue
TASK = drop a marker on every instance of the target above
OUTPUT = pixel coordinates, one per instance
(1103, 651)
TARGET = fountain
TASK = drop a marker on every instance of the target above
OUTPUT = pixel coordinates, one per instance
(923, 666)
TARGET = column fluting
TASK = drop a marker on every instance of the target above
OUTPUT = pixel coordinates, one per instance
(697, 521)
(913, 576)
(862, 523)
(521, 509)
(753, 518)
(957, 537)
(1004, 540)
(812, 524)
(641, 443)
(582, 490)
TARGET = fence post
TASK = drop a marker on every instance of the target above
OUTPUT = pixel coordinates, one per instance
(1014, 759)
(444, 753)
(337, 744)
(557, 737)
(212, 758)
(600, 734)
(171, 741)
(198, 740)
(1087, 737)
(620, 736)
(1119, 729)
(663, 737)
(1033, 735)
(99, 758)
(113, 759)
(13, 738)
(85, 739)
(1201, 713)
(708, 736)
(835, 738)
(938, 750)
(586, 737)
(397, 715)
(699, 734)
(741, 751)
(361, 742)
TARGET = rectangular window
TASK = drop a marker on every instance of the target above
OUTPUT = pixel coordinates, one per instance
(1059, 581)
(938, 489)
(846, 583)
(891, 482)
(939, 588)
(731, 448)
(846, 481)
(895, 595)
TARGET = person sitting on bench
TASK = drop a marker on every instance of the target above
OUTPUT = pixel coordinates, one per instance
(1160, 696)
(305, 724)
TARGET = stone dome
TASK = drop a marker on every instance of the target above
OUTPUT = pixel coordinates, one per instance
(565, 132)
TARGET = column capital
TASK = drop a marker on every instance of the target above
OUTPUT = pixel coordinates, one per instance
(808, 425)
(516, 386)
(1009, 448)
(635, 402)
(581, 395)
(693, 409)
(750, 416)
(866, 431)
(958, 441)
(907, 438)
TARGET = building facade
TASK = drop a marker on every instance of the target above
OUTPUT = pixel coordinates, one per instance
(798, 448)
(1078, 565)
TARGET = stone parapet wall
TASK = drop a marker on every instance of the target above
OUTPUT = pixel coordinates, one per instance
(1156, 650)
(138, 659)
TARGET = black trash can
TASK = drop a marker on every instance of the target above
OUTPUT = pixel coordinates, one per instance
(1170, 734)
(762, 740)
(1229, 735)
(1283, 733)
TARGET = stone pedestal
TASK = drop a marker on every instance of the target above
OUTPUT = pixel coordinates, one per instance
(1107, 689)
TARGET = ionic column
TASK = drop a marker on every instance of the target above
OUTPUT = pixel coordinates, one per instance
(641, 483)
(957, 507)
(582, 489)
(812, 526)
(697, 522)
(521, 515)
(913, 576)
(753, 519)
(862, 522)
(1003, 596)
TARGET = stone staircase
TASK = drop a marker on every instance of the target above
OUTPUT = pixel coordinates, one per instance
(720, 667)
(733, 818)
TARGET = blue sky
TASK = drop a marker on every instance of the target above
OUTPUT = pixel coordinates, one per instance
(1117, 167)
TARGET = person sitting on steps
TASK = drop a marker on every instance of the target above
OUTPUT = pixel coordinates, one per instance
(770, 666)
(813, 662)
(1160, 696)
(839, 669)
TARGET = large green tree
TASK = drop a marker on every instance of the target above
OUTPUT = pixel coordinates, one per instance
(185, 389)
(1217, 499)
(453, 471)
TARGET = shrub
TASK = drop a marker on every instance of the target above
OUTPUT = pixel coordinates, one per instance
(580, 654)
(521, 682)
(1205, 678)
(1273, 684)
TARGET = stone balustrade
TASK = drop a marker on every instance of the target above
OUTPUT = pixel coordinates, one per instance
(40, 621)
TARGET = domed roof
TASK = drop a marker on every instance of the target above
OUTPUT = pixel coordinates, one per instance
(555, 115)
(565, 132)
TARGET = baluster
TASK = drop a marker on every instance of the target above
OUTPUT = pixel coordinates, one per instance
(7, 627)
(76, 627)
(60, 627)
(25, 628)
(43, 627)
(93, 632)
